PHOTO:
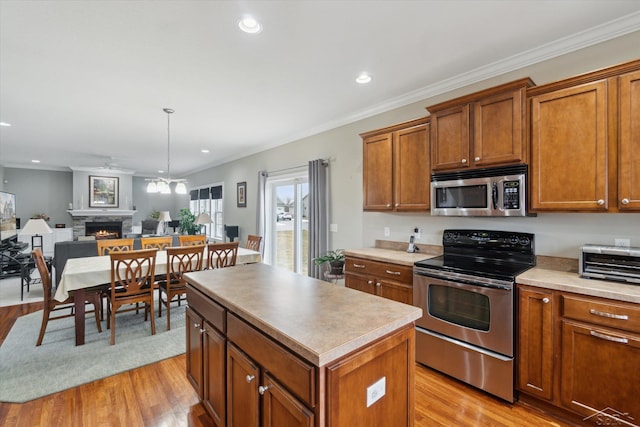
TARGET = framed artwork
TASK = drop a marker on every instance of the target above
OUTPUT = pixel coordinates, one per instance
(103, 192)
(242, 194)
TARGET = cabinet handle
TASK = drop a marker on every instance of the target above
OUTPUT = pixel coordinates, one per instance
(545, 300)
(600, 202)
(250, 378)
(388, 205)
(197, 326)
(625, 201)
(608, 337)
(609, 315)
(463, 161)
(477, 158)
(378, 284)
(397, 204)
(369, 282)
(358, 265)
(262, 389)
(395, 273)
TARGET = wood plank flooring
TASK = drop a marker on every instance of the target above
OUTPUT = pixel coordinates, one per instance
(160, 395)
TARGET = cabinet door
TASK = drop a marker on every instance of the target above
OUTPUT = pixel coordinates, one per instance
(377, 172)
(412, 169)
(396, 291)
(242, 389)
(600, 371)
(498, 130)
(569, 149)
(280, 408)
(535, 368)
(450, 138)
(361, 283)
(629, 160)
(214, 374)
(194, 350)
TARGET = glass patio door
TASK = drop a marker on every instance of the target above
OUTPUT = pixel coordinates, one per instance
(288, 224)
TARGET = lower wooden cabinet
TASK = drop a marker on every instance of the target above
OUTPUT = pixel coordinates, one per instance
(392, 281)
(580, 354)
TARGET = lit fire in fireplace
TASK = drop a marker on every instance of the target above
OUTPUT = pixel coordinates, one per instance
(106, 234)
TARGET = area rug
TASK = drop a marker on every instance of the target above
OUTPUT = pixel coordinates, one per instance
(28, 372)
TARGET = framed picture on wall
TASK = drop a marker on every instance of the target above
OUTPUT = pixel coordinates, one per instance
(103, 191)
(242, 194)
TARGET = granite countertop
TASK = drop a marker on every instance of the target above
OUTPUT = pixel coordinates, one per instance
(318, 320)
(389, 255)
(572, 282)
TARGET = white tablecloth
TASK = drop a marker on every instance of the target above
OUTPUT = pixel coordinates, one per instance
(96, 270)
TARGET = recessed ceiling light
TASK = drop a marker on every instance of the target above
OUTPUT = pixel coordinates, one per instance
(160, 171)
(35, 161)
(5, 124)
(363, 78)
(249, 24)
(205, 151)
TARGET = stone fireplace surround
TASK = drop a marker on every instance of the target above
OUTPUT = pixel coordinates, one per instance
(80, 218)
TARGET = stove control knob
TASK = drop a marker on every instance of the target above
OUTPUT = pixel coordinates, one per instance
(524, 241)
(448, 236)
(513, 240)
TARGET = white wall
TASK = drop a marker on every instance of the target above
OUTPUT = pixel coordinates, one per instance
(556, 234)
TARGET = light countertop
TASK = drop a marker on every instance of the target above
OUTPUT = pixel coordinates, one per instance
(389, 255)
(318, 320)
(572, 282)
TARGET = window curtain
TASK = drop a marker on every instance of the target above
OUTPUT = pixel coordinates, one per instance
(261, 211)
(318, 214)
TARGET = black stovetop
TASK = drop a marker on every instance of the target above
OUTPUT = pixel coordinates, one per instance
(486, 253)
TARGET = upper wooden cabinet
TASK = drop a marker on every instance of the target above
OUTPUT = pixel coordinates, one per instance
(585, 142)
(482, 129)
(396, 167)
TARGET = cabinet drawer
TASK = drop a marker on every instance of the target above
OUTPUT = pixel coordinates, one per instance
(382, 270)
(212, 312)
(613, 314)
(295, 374)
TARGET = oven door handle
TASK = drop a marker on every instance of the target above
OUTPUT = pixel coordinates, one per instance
(463, 279)
(463, 344)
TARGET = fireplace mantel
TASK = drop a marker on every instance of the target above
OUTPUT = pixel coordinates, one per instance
(100, 212)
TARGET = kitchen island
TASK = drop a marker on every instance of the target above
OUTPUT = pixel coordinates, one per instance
(269, 347)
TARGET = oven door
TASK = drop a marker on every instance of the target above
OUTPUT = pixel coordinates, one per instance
(476, 314)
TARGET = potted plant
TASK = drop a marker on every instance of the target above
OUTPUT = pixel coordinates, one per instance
(335, 259)
(187, 221)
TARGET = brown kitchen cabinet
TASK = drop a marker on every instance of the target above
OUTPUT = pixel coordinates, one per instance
(392, 281)
(578, 161)
(579, 353)
(396, 167)
(483, 129)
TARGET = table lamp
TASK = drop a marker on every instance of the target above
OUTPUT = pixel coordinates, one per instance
(203, 219)
(36, 228)
(164, 217)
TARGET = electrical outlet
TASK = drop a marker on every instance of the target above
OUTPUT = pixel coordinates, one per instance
(624, 243)
(333, 228)
(416, 232)
(376, 390)
(387, 232)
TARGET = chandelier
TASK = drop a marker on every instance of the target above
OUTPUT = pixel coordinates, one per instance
(162, 185)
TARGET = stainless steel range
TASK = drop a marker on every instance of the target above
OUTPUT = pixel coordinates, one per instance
(468, 299)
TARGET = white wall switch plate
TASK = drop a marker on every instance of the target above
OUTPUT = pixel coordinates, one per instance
(387, 231)
(625, 243)
(333, 228)
(376, 390)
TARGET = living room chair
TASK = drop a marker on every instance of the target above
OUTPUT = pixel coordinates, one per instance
(107, 246)
(132, 278)
(160, 243)
(180, 260)
(149, 226)
(52, 305)
(253, 242)
(222, 254)
(192, 240)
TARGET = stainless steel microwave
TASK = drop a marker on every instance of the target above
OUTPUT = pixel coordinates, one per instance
(497, 191)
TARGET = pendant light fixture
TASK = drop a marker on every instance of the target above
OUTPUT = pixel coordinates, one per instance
(162, 185)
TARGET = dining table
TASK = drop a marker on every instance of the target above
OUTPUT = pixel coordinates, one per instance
(82, 274)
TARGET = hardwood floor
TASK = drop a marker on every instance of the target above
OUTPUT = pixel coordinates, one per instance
(160, 395)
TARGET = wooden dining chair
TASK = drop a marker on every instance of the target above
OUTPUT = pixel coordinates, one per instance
(222, 254)
(192, 240)
(180, 260)
(253, 242)
(132, 278)
(160, 243)
(107, 246)
(52, 305)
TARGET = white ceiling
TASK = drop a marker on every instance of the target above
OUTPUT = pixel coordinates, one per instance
(83, 83)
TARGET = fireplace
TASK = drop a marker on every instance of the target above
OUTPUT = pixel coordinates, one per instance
(103, 229)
